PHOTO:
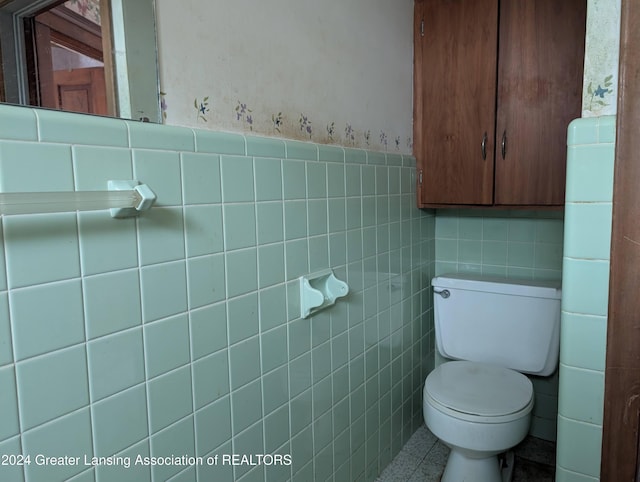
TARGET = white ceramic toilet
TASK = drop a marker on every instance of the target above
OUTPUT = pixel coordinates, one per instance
(479, 404)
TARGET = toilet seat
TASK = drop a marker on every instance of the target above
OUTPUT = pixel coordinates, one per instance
(479, 392)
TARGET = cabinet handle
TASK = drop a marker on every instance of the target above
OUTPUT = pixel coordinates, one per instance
(484, 146)
(504, 144)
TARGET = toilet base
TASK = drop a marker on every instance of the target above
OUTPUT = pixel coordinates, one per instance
(507, 461)
(460, 467)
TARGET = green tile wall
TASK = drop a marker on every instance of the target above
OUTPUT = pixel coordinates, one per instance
(179, 332)
(515, 244)
(587, 243)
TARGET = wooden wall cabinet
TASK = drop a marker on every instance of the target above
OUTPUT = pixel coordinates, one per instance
(496, 83)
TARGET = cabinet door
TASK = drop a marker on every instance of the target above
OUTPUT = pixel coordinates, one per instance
(454, 102)
(540, 64)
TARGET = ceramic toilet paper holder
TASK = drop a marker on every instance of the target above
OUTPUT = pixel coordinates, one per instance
(320, 290)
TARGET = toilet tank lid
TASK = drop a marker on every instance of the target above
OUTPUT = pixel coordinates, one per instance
(495, 284)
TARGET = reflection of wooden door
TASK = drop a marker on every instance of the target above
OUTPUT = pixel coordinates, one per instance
(70, 83)
(80, 90)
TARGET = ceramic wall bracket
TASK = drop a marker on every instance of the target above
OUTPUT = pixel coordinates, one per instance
(145, 198)
(320, 290)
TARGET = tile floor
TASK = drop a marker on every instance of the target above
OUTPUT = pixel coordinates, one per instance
(423, 458)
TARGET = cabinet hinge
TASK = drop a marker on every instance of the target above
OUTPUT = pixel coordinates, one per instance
(422, 28)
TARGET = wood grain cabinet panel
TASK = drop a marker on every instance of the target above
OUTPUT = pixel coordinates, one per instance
(496, 83)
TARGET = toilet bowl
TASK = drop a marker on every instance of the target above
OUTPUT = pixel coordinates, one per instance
(478, 411)
(479, 404)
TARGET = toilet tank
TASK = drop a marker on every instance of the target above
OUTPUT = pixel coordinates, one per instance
(505, 322)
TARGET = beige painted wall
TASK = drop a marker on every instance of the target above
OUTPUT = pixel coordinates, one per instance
(331, 72)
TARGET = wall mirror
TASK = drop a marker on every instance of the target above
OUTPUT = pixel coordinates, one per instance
(91, 56)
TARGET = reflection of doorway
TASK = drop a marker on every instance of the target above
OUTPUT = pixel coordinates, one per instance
(65, 58)
(128, 27)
